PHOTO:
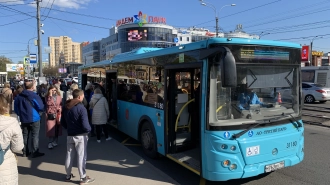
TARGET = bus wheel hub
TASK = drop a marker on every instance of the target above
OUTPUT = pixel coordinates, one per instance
(146, 139)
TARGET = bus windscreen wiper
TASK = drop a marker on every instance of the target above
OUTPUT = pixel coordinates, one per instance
(235, 136)
(297, 125)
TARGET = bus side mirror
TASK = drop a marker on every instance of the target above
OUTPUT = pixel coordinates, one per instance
(227, 64)
(228, 69)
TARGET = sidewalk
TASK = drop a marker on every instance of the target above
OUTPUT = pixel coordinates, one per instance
(109, 162)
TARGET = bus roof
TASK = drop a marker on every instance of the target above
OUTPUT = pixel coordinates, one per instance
(146, 52)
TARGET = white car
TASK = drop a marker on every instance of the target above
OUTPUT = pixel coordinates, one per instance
(75, 79)
(315, 92)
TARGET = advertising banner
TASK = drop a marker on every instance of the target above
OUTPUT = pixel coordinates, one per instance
(304, 53)
(14, 67)
(62, 70)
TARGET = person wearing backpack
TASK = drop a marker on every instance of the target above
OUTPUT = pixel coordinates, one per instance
(28, 106)
(11, 141)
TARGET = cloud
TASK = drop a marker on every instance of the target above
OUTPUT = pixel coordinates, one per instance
(71, 4)
(12, 1)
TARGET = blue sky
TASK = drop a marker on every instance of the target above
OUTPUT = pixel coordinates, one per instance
(283, 19)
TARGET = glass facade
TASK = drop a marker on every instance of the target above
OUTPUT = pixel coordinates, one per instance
(136, 37)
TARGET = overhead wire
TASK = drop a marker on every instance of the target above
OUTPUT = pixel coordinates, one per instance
(91, 16)
(49, 10)
(249, 9)
(303, 8)
(15, 22)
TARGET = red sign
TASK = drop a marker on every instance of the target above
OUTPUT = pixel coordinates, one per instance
(304, 53)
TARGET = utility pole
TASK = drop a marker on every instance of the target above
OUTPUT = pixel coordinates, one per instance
(216, 26)
(39, 39)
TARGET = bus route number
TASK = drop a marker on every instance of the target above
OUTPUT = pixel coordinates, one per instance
(291, 144)
(159, 105)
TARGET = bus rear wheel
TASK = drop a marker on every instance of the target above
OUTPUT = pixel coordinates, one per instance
(148, 140)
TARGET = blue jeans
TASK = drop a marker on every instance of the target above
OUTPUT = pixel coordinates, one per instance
(32, 128)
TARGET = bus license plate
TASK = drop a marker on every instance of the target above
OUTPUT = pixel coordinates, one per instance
(275, 166)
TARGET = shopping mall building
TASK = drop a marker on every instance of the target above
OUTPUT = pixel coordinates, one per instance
(143, 30)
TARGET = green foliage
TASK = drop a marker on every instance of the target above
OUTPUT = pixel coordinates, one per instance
(50, 71)
(3, 61)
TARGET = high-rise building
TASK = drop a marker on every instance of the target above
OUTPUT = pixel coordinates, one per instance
(71, 51)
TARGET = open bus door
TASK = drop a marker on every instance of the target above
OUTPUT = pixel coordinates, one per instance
(111, 94)
(183, 113)
(83, 81)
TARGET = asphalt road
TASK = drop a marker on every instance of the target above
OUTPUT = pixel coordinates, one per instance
(313, 170)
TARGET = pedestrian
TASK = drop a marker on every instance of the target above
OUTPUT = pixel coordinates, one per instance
(75, 120)
(53, 116)
(88, 95)
(11, 141)
(114, 100)
(42, 92)
(59, 90)
(100, 108)
(17, 91)
(69, 94)
(27, 106)
(8, 94)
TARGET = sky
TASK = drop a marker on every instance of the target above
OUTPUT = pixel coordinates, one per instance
(297, 21)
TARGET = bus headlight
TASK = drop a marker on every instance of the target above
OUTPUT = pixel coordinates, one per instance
(233, 148)
(233, 167)
(224, 146)
(226, 163)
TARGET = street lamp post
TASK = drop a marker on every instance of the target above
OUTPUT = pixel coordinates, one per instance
(310, 57)
(204, 3)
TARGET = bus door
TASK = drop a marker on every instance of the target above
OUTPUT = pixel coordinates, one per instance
(111, 91)
(83, 81)
(183, 126)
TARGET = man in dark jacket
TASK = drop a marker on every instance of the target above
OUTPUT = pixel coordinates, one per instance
(75, 120)
(27, 107)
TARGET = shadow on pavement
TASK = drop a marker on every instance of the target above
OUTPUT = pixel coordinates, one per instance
(109, 157)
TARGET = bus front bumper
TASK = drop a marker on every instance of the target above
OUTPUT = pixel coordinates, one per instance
(250, 170)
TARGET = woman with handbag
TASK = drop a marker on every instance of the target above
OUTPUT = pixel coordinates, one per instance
(53, 116)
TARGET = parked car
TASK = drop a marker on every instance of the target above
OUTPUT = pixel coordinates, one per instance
(315, 92)
(68, 82)
(75, 79)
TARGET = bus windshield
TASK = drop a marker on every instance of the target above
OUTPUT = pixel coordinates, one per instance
(263, 94)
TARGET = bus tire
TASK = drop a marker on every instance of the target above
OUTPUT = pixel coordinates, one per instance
(148, 140)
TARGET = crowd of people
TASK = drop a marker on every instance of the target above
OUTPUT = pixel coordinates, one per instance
(81, 113)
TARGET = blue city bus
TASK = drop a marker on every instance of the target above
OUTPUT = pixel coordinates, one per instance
(225, 108)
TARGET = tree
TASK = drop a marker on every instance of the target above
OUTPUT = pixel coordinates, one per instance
(50, 71)
(3, 61)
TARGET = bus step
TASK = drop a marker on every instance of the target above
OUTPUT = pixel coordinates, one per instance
(186, 160)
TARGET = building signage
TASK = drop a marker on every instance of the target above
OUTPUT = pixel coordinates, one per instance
(141, 19)
(14, 67)
(304, 53)
(317, 53)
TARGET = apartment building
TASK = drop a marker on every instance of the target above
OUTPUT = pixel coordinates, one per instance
(63, 46)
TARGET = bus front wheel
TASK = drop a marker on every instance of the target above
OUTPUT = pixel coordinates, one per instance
(148, 140)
